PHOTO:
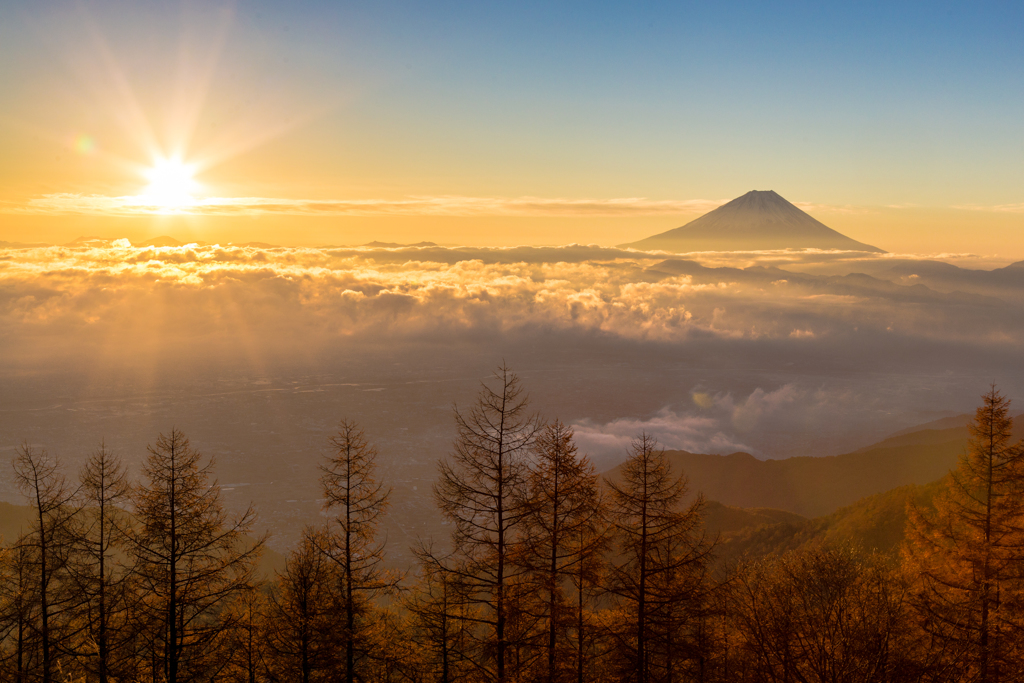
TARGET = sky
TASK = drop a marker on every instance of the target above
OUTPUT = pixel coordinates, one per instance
(498, 124)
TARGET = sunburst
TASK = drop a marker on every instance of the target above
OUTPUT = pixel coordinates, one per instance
(171, 184)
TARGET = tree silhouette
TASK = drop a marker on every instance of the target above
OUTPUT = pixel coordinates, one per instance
(562, 534)
(303, 638)
(191, 561)
(662, 551)
(481, 491)
(99, 573)
(438, 607)
(358, 501)
(18, 609)
(47, 548)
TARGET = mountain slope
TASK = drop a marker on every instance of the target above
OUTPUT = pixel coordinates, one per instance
(816, 486)
(876, 523)
(757, 220)
(813, 486)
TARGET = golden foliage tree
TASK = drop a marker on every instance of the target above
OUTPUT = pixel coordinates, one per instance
(825, 614)
(17, 605)
(563, 536)
(439, 620)
(191, 561)
(303, 637)
(481, 491)
(969, 553)
(663, 554)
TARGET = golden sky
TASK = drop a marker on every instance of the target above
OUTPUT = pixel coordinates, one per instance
(330, 124)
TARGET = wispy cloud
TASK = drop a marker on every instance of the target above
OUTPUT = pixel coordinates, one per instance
(831, 208)
(446, 205)
(414, 205)
(995, 208)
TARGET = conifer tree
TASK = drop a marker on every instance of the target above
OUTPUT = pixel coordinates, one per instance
(562, 532)
(358, 503)
(662, 551)
(47, 549)
(439, 620)
(969, 553)
(191, 562)
(481, 491)
(17, 610)
(247, 643)
(303, 634)
(587, 577)
(99, 574)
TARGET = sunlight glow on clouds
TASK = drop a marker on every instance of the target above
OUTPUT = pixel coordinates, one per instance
(674, 431)
(115, 295)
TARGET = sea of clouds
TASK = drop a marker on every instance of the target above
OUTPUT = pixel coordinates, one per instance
(113, 295)
(773, 353)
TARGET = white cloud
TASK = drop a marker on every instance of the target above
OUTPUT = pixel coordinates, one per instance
(607, 443)
(723, 422)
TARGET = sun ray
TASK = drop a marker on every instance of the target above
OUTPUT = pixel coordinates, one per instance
(195, 81)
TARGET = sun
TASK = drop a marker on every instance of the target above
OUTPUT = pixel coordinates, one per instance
(170, 183)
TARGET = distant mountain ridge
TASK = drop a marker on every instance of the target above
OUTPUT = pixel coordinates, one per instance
(759, 220)
(814, 486)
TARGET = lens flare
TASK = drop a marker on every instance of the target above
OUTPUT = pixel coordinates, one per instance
(84, 144)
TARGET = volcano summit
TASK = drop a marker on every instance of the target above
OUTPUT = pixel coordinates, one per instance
(760, 219)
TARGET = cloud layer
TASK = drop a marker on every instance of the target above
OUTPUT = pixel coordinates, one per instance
(109, 296)
(763, 422)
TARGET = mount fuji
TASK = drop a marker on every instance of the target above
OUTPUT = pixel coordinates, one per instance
(756, 221)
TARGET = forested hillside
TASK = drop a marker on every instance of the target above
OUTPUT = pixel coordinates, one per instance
(876, 523)
(814, 486)
(547, 571)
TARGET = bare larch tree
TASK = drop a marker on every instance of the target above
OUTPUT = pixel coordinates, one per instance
(659, 541)
(191, 560)
(481, 491)
(358, 503)
(48, 546)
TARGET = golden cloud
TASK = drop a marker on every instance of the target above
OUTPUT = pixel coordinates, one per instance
(116, 296)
